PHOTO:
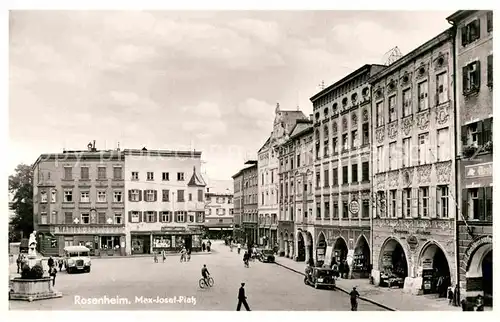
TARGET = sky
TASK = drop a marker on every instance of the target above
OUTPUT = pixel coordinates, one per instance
(204, 80)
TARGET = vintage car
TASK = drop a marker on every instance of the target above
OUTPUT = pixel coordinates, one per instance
(76, 258)
(320, 277)
(266, 256)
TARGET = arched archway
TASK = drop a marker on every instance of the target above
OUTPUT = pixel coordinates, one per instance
(281, 244)
(301, 247)
(339, 251)
(393, 263)
(320, 249)
(361, 265)
(480, 271)
(435, 269)
(309, 248)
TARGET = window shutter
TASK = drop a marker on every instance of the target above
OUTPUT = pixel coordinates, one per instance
(487, 125)
(430, 201)
(480, 133)
(445, 87)
(399, 196)
(140, 195)
(482, 203)
(477, 26)
(156, 216)
(478, 73)
(170, 216)
(489, 200)
(130, 215)
(438, 203)
(174, 215)
(464, 35)
(465, 205)
(464, 130)
(465, 79)
(490, 69)
(144, 195)
(156, 195)
(130, 195)
(416, 203)
(141, 216)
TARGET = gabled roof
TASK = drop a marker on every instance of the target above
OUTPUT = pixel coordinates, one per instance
(196, 180)
(266, 144)
(300, 127)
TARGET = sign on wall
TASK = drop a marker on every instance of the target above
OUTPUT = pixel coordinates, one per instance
(479, 170)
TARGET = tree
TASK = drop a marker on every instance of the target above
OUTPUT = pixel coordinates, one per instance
(21, 186)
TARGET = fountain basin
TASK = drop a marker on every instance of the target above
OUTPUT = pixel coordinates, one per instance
(32, 289)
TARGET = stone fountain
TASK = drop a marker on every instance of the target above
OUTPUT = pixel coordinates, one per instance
(36, 284)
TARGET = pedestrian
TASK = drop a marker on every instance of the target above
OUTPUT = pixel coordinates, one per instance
(203, 246)
(239, 247)
(450, 296)
(155, 256)
(183, 254)
(354, 299)
(50, 262)
(18, 262)
(456, 296)
(60, 264)
(188, 254)
(242, 299)
(245, 259)
(164, 255)
(209, 245)
(479, 303)
(53, 273)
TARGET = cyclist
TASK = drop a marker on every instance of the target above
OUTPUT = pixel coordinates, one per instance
(205, 274)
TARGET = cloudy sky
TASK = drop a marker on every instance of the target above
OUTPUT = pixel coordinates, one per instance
(175, 80)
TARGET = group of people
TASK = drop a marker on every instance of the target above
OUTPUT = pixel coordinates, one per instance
(53, 269)
(340, 270)
(207, 246)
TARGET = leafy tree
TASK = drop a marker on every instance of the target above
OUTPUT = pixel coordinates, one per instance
(21, 186)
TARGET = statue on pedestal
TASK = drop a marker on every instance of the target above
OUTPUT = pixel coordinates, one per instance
(32, 244)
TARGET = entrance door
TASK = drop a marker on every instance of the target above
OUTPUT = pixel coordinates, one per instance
(188, 242)
(146, 245)
(487, 269)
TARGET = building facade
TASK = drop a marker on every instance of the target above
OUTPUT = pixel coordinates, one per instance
(474, 117)
(238, 206)
(342, 167)
(78, 199)
(297, 202)
(165, 202)
(414, 169)
(219, 209)
(246, 200)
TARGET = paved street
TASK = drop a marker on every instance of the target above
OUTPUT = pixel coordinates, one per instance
(268, 286)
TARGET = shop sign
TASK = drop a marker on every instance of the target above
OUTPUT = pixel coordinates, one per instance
(479, 170)
(399, 231)
(172, 228)
(413, 242)
(475, 244)
(354, 207)
(427, 263)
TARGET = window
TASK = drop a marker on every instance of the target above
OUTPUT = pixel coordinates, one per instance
(407, 102)
(366, 134)
(84, 173)
(180, 216)
(180, 176)
(326, 178)
(380, 158)
(443, 145)
(43, 218)
(423, 96)
(354, 173)
(190, 197)
(335, 210)
(335, 179)
(317, 150)
(272, 176)
(150, 195)
(101, 173)
(180, 195)
(381, 204)
(262, 179)
(85, 218)
(354, 138)
(345, 178)
(101, 196)
(392, 109)
(335, 144)
(393, 209)
(165, 216)
(325, 148)
(393, 156)
(150, 216)
(134, 195)
(490, 70)
(327, 210)
(118, 218)
(442, 204)
(68, 173)
(101, 219)
(150, 176)
(407, 202)
(441, 88)
(345, 142)
(117, 196)
(424, 202)
(423, 148)
(53, 195)
(345, 210)
(117, 173)
(298, 161)
(489, 21)
(165, 176)
(365, 171)
(471, 75)
(406, 153)
(68, 217)
(200, 195)
(318, 181)
(134, 216)
(43, 196)
(470, 32)
(84, 196)
(221, 211)
(380, 114)
(365, 209)
(135, 175)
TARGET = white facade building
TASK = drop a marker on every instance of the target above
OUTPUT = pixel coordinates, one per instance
(219, 209)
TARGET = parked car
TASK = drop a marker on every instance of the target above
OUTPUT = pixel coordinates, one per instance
(320, 277)
(266, 256)
(77, 258)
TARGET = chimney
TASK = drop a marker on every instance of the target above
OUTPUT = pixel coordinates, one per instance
(311, 117)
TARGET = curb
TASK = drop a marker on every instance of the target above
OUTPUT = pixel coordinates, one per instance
(343, 290)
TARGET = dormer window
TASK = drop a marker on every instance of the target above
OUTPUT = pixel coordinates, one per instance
(317, 116)
(354, 98)
(344, 102)
(334, 107)
(326, 112)
(365, 92)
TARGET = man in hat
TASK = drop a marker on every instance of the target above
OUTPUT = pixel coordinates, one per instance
(354, 299)
(242, 299)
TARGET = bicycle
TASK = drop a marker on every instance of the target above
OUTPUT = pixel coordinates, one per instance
(208, 282)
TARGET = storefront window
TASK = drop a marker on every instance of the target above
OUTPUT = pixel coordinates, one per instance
(162, 242)
(110, 242)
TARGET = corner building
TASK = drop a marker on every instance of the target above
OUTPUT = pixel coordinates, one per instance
(342, 220)
(474, 95)
(165, 203)
(245, 207)
(414, 169)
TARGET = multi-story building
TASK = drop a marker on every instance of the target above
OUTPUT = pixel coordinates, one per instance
(284, 121)
(296, 200)
(78, 199)
(342, 222)
(414, 168)
(219, 209)
(474, 119)
(238, 233)
(246, 202)
(165, 202)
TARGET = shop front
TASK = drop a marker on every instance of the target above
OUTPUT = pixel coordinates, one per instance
(169, 239)
(361, 263)
(140, 242)
(320, 249)
(286, 231)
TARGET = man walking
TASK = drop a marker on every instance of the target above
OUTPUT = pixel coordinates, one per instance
(354, 299)
(242, 299)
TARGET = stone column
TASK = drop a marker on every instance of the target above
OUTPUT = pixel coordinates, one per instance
(292, 254)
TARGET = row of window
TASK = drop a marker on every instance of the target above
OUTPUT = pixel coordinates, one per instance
(166, 216)
(83, 218)
(365, 175)
(217, 211)
(101, 173)
(268, 199)
(344, 89)
(287, 162)
(344, 212)
(249, 217)
(471, 76)
(400, 156)
(150, 176)
(472, 31)
(151, 195)
(477, 204)
(84, 196)
(405, 198)
(347, 144)
(477, 134)
(269, 177)
(219, 199)
(268, 219)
